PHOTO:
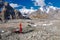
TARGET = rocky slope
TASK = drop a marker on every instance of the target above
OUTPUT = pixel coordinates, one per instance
(7, 12)
(38, 14)
(49, 13)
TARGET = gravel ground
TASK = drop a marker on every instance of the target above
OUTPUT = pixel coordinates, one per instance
(42, 30)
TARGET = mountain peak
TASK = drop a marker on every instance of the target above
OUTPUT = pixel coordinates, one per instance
(47, 8)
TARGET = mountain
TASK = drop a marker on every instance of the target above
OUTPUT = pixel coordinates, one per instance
(54, 13)
(1, 3)
(38, 14)
(7, 12)
(46, 13)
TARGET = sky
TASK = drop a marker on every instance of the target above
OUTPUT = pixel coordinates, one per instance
(32, 4)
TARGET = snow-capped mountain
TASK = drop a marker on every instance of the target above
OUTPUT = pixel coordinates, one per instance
(26, 12)
(43, 9)
(47, 8)
(47, 12)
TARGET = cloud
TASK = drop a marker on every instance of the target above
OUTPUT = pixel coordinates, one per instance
(31, 8)
(14, 5)
(50, 3)
(39, 3)
(25, 10)
(36, 4)
(53, 7)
